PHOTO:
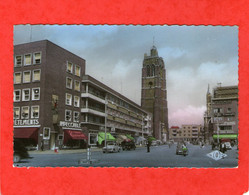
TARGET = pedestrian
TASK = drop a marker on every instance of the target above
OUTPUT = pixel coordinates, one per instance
(148, 146)
(225, 148)
(42, 145)
(221, 147)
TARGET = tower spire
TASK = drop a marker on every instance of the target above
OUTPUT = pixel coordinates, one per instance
(208, 89)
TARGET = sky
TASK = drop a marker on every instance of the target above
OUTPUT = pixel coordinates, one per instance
(194, 57)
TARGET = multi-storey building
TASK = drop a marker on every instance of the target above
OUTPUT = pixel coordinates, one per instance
(190, 133)
(57, 105)
(224, 113)
(47, 90)
(154, 92)
(103, 109)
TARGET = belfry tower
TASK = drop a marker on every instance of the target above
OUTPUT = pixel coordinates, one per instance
(154, 93)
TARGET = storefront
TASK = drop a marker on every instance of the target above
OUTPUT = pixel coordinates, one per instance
(27, 132)
(71, 136)
(233, 138)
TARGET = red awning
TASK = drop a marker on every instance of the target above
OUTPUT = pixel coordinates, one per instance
(27, 132)
(73, 134)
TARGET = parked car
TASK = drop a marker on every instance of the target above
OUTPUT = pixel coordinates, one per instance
(154, 143)
(128, 145)
(159, 142)
(20, 152)
(111, 147)
(181, 149)
(228, 145)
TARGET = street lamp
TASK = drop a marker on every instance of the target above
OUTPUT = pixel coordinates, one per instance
(105, 116)
(142, 126)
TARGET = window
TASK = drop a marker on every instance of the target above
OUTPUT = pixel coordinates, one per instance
(36, 94)
(68, 99)
(76, 101)
(46, 133)
(17, 77)
(36, 75)
(18, 61)
(229, 110)
(34, 111)
(68, 115)
(27, 59)
(217, 110)
(25, 112)
(17, 95)
(26, 76)
(153, 70)
(25, 94)
(77, 85)
(69, 67)
(76, 116)
(69, 83)
(226, 127)
(37, 58)
(16, 112)
(148, 70)
(77, 70)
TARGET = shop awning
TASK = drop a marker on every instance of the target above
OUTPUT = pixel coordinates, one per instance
(226, 136)
(151, 138)
(73, 134)
(130, 137)
(26, 132)
(101, 137)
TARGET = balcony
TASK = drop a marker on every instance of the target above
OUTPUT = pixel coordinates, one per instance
(121, 109)
(219, 114)
(94, 111)
(91, 96)
(229, 114)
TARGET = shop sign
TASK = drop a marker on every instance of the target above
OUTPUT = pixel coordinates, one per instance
(69, 124)
(26, 122)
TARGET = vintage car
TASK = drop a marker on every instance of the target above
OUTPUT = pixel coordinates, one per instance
(111, 147)
(228, 145)
(181, 149)
(20, 152)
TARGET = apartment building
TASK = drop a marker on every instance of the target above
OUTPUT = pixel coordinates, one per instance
(224, 113)
(103, 108)
(47, 90)
(191, 133)
(57, 105)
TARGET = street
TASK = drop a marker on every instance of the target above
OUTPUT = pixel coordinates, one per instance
(159, 156)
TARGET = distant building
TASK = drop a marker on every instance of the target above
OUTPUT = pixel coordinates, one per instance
(191, 133)
(222, 120)
(154, 93)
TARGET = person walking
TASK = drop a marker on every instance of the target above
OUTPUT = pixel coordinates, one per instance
(148, 146)
(42, 145)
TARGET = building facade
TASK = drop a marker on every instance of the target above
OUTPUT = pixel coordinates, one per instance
(224, 113)
(57, 105)
(221, 117)
(154, 93)
(104, 109)
(47, 90)
(191, 133)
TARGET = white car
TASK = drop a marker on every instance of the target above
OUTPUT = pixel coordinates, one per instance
(111, 147)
